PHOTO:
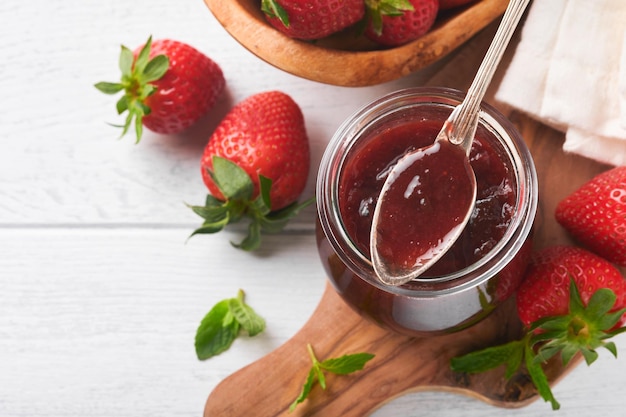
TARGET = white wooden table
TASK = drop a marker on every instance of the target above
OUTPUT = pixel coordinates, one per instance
(100, 294)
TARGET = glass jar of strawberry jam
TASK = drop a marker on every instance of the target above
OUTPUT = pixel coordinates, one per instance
(485, 265)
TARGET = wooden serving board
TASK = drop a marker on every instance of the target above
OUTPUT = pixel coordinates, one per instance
(403, 364)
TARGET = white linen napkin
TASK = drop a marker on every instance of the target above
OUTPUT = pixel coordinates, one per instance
(569, 71)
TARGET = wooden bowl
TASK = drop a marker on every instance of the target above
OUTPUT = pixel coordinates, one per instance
(346, 59)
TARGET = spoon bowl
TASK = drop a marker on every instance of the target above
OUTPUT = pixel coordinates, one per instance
(441, 217)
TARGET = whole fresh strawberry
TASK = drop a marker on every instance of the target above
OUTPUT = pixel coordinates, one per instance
(451, 4)
(396, 22)
(168, 85)
(571, 302)
(595, 215)
(256, 166)
(545, 289)
(312, 19)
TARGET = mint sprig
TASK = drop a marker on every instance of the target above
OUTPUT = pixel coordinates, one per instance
(136, 83)
(237, 188)
(341, 366)
(223, 323)
(583, 330)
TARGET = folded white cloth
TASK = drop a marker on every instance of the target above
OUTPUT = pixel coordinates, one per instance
(569, 71)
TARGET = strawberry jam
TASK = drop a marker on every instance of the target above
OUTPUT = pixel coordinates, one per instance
(484, 266)
(422, 207)
(366, 168)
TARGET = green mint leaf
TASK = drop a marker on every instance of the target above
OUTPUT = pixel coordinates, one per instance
(489, 358)
(213, 335)
(249, 320)
(341, 366)
(347, 363)
(539, 377)
(231, 179)
(320, 376)
(155, 68)
(222, 324)
(306, 389)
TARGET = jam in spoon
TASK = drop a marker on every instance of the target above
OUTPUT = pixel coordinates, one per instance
(429, 195)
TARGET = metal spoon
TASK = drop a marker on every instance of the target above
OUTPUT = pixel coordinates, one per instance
(441, 219)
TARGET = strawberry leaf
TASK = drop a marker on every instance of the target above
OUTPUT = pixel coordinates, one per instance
(265, 186)
(126, 63)
(109, 88)
(237, 187)
(231, 179)
(252, 240)
(143, 56)
(155, 69)
(376, 9)
(137, 74)
(273, 9)
(276, 221)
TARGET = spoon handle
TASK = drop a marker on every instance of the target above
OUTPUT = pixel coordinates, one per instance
(461, 125)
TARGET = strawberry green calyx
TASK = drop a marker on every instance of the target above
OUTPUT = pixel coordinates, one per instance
(137, 76)
(237, 188)
(376, 9)
(273, 9)
(583, 330)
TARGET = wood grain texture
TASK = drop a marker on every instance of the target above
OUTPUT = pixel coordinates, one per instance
(344, 59)
(404, 364)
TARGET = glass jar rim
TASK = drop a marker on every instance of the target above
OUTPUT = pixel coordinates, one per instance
(473, 275)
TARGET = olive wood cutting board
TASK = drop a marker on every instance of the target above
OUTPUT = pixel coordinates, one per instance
(402, 364)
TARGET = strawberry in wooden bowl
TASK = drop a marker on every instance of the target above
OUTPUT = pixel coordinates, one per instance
(346, 56)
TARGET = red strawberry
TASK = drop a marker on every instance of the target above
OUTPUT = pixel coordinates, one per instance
(450, 4)
(256, 165)
(571, 301)
(306, 19)
(396, 22)
(168, 86)
(545, 289)
(595, 215)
